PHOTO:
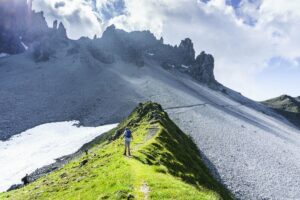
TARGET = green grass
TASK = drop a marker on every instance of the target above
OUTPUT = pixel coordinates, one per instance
(287, 106)
(165, 165)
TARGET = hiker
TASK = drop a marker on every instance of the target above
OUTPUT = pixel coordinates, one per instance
(25, 180)
(128, 137)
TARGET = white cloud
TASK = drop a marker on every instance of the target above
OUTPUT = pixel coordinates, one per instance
(242, 40)
(77, 16)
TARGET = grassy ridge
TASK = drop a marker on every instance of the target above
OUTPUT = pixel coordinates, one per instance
(287, 106)
(165, 165)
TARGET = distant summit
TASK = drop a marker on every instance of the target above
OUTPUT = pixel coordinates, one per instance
(35, 44)
(287, 106)
(285, 103)
(137, 46)
(23, 29)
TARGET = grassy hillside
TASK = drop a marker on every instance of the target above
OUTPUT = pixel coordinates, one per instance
(287, 106)
(165, 165)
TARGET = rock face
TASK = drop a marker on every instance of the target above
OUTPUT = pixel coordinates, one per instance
(11, 24)
(61, 30)
(135, 47)
(54, 26)
(203, 68)
(186, 47)
(20, 26)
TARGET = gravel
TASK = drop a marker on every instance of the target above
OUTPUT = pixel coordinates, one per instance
(257, 156)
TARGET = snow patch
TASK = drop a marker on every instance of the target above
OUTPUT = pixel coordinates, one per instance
(2, 55)
(150, 54)
(40, 146)
(185, 66)
(24, 45)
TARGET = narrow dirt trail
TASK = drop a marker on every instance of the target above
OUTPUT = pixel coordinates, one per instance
(145, 190)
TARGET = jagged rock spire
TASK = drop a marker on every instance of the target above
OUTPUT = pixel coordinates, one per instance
(188, 53)
(203, 69)
(161, 40)
(55, 25)
(109, 30)
(62, 30)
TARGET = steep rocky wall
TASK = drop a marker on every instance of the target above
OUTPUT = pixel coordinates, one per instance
(20, 26)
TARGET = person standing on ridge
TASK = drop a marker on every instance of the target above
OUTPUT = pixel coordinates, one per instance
(128, 137)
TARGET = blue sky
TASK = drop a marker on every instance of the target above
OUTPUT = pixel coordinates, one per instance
(234, 3)
(255, 43)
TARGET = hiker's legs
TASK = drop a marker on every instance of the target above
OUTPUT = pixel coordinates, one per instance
(129, 149)
(125, 148)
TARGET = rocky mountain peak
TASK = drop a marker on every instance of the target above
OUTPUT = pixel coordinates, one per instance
(161, 40)
(13, 15)
(20, 25)
(132, 46)
(287, 106)
(187, 45)
(187, 48)
(203, 68)
(55, 25)
(284, 97)
(62, 30)
(110, 30)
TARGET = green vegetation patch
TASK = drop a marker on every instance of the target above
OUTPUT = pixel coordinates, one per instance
(166, 164)
(287, 106)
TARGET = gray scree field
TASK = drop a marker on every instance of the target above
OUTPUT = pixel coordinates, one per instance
(252, 150)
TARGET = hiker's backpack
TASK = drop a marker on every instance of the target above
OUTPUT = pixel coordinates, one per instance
(128, 134)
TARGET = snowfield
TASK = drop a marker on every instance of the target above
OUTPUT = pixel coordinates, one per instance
(252, 150)
(40, 146)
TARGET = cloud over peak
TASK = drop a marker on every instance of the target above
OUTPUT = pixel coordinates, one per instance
(243, 35)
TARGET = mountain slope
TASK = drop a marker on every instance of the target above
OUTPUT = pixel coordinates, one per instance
(249, 147)
(100, 81)
(286, 105)
(165, 165)
(61, 79)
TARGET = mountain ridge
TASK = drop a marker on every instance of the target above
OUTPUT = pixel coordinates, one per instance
(287, 106)
(162, 156)
(97, 81)
(52, 47)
